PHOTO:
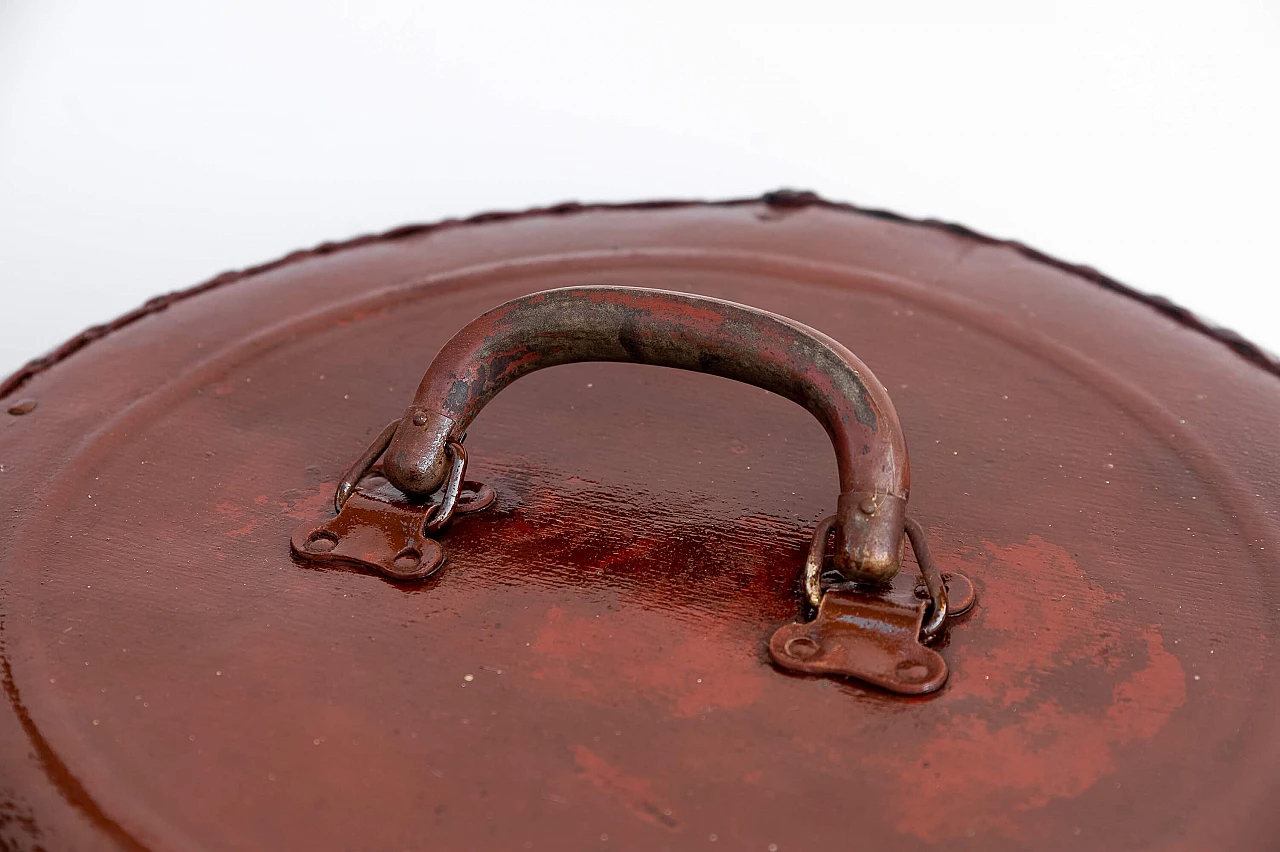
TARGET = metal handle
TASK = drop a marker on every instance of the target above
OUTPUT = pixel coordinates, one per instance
(686, 332)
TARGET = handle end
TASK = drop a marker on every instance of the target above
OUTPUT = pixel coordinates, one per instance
(417, 461)
(869, 536)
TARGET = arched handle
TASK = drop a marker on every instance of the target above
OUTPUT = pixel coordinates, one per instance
(686, 332)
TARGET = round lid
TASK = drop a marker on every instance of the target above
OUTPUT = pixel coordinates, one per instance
(591, 667)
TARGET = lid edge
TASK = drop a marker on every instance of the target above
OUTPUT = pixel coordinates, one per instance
(791, 198)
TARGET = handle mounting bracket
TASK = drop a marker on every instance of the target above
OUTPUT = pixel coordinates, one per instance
(873, 635)
(380, 529)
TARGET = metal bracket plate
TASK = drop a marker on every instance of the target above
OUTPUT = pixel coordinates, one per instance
(381, 529)
(872, 636)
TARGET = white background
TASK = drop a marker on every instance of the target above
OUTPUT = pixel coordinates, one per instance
(145, 146)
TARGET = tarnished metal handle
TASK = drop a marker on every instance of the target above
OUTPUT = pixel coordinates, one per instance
(862, 625)
(686, 332)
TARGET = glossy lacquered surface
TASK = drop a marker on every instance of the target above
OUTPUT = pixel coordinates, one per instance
(590, 668)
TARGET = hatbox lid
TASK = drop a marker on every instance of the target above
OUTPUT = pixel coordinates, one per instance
(590, 668)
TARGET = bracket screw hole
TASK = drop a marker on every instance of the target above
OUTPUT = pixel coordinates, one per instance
(909, 672)
(322, 541)
(406, 560)
(802, 648)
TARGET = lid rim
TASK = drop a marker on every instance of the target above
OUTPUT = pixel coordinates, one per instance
(787, 198)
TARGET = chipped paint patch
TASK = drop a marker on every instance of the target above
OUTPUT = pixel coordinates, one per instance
(629, 651)
(1043, 713)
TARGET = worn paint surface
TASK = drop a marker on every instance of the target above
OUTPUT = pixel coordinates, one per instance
(590, 661)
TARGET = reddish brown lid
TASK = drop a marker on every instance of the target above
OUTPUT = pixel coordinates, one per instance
(591, 668)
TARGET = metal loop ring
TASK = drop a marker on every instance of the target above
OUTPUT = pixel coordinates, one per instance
(937, 614)
(362, 465)
(813, 562)
(441, 513)
(481, 497)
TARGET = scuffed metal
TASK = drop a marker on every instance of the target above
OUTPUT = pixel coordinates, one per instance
(686, 332)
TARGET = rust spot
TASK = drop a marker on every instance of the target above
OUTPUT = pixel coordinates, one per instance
(359, 316)
(634, 793)
(643, 653)
(239, 519)
(1044, 712)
